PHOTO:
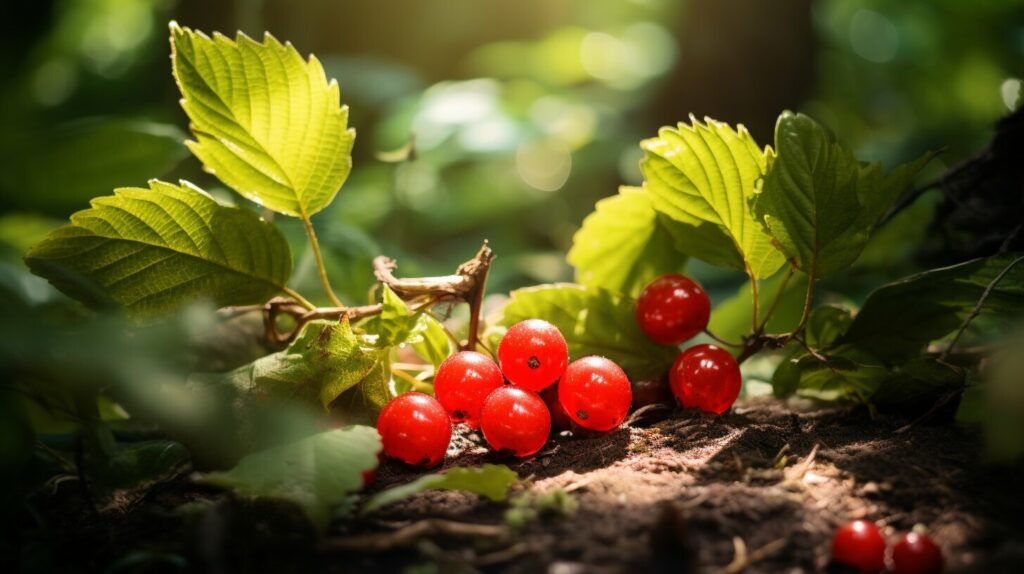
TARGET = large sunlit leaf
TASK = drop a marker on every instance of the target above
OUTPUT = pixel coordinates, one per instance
(898, 320)
(266, 122)
(324, 361)
(151, 250)
(707, 175)
(317, 472)
(594, 322)
(491, 481)
(819, 202)
(624, 244)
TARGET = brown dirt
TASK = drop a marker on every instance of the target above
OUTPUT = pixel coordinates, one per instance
(673, 492)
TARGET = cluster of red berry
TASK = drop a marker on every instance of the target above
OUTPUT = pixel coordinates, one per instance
(592, 392)
(861, 546)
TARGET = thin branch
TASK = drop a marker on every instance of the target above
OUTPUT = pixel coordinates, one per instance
(721, 340)
(777, 298)
(410, 534)
(307, 223)
(298, 297)
(977, 307)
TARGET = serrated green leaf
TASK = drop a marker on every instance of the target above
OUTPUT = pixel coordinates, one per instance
(317, 472)
(151, 250)
(706, 175)
(819, 202)
(434, 345)
(266, 122)
(396, 324)
(624, 244)
(898, 320)
(732, 319)
(491, 481)
(324, 361)
(594, 322)
(61, 169)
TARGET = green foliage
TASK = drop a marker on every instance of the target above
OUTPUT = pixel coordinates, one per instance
(491, 481)
(531, 506)
(731, 319)
(61, 169)
(707, 176)
(149, 251)
(396, 324)
(325, 360)
(317, 472)
(433, 345)
(266, 122)
(594, 321)
(624, 244)
(819, 202)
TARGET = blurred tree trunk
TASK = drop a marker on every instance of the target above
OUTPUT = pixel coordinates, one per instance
(740, 61)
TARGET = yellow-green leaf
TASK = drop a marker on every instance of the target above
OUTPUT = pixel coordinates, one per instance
(266, 122)
(707, 176)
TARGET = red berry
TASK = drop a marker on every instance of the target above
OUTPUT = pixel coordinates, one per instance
(559, 418)
(706, 377)
(533, 354)
(595, 393)
(369, 476)
(415, 429)
(651, 391)
(859, 545)
(462, 383)
(515, 420)
(916, 553)
(672, 309)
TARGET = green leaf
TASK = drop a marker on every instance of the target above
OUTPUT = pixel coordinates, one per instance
(491, 481)
(819, 202)
(61, 169)
(706, 175)
(826, 325)
(151, 250)
(266, 122)
(324, 361)
(898, 320)
(623, 244)
(317, 472)
(396, 324)
(594, 322)
(434, 344)
(731, 319)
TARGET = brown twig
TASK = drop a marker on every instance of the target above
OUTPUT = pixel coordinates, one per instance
(410, 534)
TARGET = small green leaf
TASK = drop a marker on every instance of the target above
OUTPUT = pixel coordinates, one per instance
(898, 320)
(396, 324)
(624, 244)
(819, 202)
(152, 250)
(434, 344)
(324, 361)
(61, 169)
(491, 481)
(594, 322)
(317, 472)
(266, 122)
(706, 175)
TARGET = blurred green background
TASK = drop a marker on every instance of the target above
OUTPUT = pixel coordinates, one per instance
(523, 114)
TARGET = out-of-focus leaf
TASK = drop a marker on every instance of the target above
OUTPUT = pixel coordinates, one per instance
(624, 244)
(150, 251)
(732, 319)
(898, 320)
(317, 472)
(125, 473)
(491, 481)
(63, 168)
(324, 361)
(707, 175)
(434, 344)
(594, 322)
(20, 231)
(266, 122)
(826, 324)
(819, 202)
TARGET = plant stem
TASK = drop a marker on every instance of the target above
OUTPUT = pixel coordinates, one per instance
(298, 298)
(307, 223)
(775, 300)
(721, 340)
(754, 297)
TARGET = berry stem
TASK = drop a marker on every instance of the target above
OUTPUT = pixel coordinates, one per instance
(307, 223)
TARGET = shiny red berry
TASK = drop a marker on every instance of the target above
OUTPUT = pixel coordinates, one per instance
(415, 429)
(672, 309)
(560, 420)
(595, 393)
(515, 420)
(533, 354)
(859, 545)
(651, 391)
(706, 377)
(462, 383)
(915, 553)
